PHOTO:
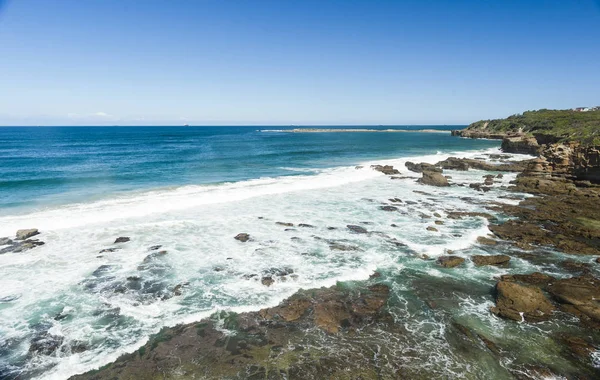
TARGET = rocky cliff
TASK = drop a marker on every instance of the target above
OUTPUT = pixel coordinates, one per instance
(565, 142)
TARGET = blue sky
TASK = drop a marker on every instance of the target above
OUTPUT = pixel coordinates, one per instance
(106, 62)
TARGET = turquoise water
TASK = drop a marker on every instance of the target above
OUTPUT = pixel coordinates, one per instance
(59, 165)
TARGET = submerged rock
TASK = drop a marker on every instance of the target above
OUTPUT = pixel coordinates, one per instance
(388, 208)
(285, 224)
(357, 229)
(521, 303)
(45, 344)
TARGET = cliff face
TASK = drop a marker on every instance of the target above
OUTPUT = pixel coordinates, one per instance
(567, 160)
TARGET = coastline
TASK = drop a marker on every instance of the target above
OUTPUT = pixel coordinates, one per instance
(267, 343)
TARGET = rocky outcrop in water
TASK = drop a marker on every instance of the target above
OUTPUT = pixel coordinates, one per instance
(385, 169)
(420, 168)
(26, 234)
(521, 303)
(275, 343)
(433, 179)
(21, 242)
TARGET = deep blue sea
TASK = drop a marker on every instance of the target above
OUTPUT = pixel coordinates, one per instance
(191, 190)
(41, 166)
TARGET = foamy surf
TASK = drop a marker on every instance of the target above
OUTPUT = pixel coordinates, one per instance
(69, 289)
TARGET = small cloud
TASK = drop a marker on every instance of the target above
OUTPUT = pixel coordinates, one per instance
(101, 114)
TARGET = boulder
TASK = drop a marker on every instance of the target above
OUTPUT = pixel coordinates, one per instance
(432, 229)
(388, 208)
(243, 237)
(433, 179)
(26, 234)
(521, 303)
(450, 261)
(385, 169)
(420, 168)
(500, 260)
(122, 239)
(285, 224)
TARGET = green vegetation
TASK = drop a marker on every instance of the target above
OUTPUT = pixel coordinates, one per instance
(560, 125)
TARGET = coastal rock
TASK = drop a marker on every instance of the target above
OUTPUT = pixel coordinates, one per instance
(357, 229)
(388, 208)
(285, 224)
(433, 179)
(521, 303)
(520, 145)
(454, 163)
(385, 169)
(499, 260)
(45, 344)
(536, 278)
(243, 237)
(582, 294)
(420, 168)
(122, 239)
(432, 229)
(486, 241)
(450, 261)
(26, 234)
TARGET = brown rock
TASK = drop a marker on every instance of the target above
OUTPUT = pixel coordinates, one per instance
(433, 179)
(26, 234)
(499, 260)
(385, 169)
(243, 237)
(536, 278)
(583, 293)
(486, 241)
(450, 261)
(433, 229)
(521, 303)
(420, 168)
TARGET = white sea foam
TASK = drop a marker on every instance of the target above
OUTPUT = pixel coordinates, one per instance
(196, 225)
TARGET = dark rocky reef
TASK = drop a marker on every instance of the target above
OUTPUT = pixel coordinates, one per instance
(273, 343)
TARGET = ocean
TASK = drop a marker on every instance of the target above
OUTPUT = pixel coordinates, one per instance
(191, 190)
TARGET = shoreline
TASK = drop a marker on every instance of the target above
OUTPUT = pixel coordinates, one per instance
(339, 312)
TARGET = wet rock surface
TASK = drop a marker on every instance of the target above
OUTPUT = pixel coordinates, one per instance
(498, 260)
(521, 303)
(385, 169)
(433, 179)
(22, 242)
(273, 343)
(450, 261)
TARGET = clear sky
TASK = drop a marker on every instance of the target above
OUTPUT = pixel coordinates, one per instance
(227, 62)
